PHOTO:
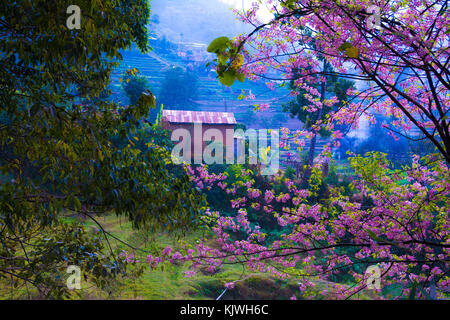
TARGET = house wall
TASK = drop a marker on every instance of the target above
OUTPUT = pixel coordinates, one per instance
(197, 139)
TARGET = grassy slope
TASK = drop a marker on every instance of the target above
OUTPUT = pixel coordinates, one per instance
(169, 282)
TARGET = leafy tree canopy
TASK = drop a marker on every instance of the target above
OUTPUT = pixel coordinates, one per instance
(57, 149)
(178, 88)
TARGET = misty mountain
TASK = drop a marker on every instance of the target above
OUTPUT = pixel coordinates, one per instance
(194, 20)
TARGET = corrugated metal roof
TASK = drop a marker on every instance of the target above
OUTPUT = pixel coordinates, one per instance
(184, 116)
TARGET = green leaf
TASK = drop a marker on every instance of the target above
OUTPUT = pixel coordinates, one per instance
(344, 46)
(228, 78)
(290, 4)
(77, 203)
(100, 155)
(374, 237)
(147, 99)
(222, 57)
(241, 77)
(218, 45)
(352, 52)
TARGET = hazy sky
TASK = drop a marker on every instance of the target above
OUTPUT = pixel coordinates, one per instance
(237, 3)
(263, 13)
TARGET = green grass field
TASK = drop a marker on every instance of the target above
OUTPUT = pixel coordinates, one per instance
(169, 282)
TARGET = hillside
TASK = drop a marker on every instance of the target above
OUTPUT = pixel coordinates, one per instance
(187, 50)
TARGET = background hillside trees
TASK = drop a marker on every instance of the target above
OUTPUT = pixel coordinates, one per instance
(179, 88)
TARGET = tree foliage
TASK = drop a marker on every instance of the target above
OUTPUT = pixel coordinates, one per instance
(57, 146)
(299, 107)
(400, 225)
(134, 85)
(179, 88)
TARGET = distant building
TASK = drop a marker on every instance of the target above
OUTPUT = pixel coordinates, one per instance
(189, 120)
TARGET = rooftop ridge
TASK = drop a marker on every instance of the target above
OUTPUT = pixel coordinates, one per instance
(208, 117)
